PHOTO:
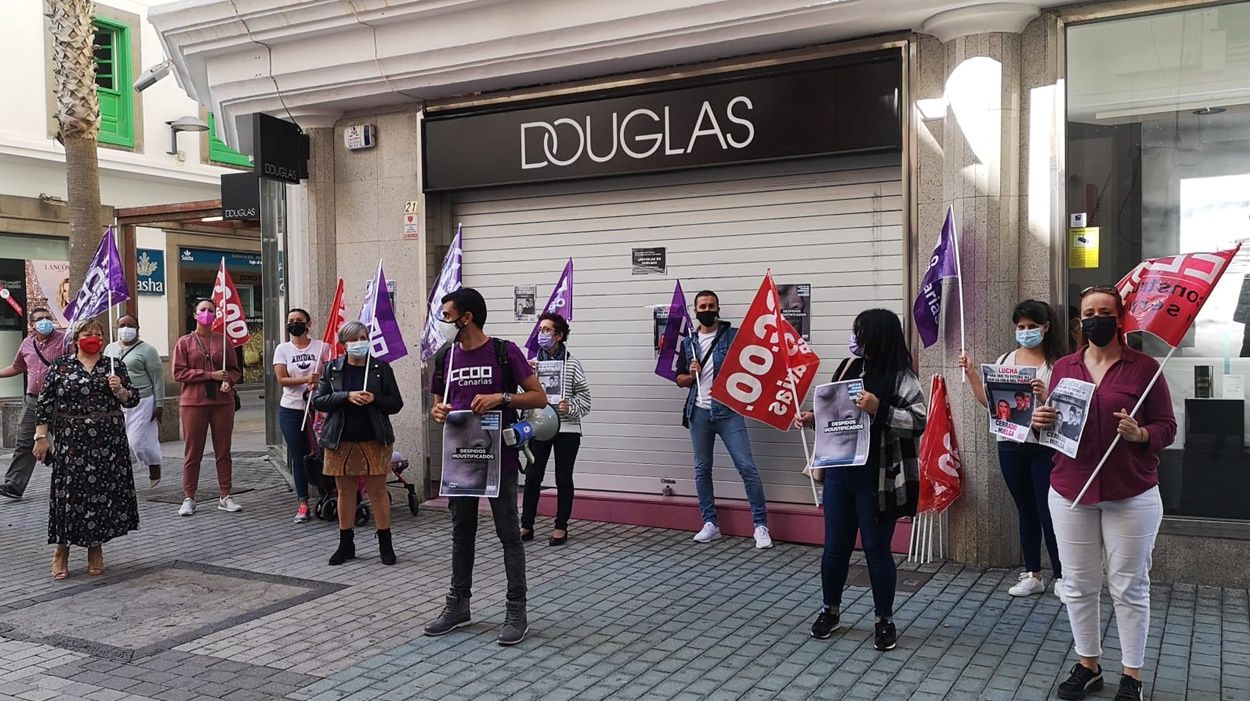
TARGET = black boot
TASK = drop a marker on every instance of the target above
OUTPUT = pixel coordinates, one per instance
(384, 547)
(347, 548)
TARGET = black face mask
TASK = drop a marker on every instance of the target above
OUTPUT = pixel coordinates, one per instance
(296, 328)
(1099, 329)
(707, 318)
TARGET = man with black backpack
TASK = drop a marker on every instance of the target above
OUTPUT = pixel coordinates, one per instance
(484, 374)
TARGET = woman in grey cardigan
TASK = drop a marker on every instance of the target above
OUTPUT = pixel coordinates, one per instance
(147, 374)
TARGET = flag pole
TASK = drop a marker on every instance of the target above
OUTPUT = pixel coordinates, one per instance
(1140, 400)
(807, 453)
(959, 281)
(373, 316)
(112, 360)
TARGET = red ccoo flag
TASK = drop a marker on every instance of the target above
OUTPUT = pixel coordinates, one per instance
(230, 318)
(939, 454)
(1162, 296)
(334, 322)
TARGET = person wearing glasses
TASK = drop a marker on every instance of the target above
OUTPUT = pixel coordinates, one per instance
(1121, 512)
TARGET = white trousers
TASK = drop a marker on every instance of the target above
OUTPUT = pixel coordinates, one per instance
(143, 433)
(1125, 531)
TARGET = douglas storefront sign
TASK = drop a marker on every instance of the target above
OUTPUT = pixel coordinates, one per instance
(791, 111)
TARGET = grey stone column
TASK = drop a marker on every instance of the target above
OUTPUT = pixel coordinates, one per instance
(312, 241)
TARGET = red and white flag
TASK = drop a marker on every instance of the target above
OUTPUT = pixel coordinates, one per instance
(230, 317)
(769, 367)
(334, 322)
(1162, 296)
(939, 454)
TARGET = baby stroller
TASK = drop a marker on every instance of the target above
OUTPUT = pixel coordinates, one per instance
(327, 506)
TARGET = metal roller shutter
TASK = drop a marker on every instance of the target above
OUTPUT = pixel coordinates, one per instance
(834, 223)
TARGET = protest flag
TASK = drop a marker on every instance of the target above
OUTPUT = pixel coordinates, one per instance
(449, 280)
(231, 320)
(560, 302)
(676, 329)
(330, 339)
(103, 286)
(386, 343)
(943, 264)
(940, 465)
(1162, 297)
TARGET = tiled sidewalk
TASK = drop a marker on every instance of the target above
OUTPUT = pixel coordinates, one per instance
(621, 612)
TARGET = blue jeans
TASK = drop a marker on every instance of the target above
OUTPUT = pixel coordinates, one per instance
(1026, 469)
(733, 433)
(289, 421)
(850, 506)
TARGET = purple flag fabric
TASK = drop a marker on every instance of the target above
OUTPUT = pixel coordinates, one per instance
(385, 341)
(942, 265)
(561, 302)
(676, 328)
(449, 280)
(104, 277)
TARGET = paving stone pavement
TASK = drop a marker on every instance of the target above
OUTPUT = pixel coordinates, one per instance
(620, 612)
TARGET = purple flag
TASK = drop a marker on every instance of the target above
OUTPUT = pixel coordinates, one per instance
(675, 329)
(561, 302)
(104, 284)
(942, 264)
(449, 280)
(386, 343)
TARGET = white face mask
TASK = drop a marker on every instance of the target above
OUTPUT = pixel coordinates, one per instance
(127, 334)
(358, 349)
(448, 330)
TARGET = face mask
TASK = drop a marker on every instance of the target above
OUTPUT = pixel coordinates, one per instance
(44, 327)
(853, 346)
(546, 341)
(205, 317)
(91, 344)
(707, 319)
(127, 334)
(358, 349)
(1099, 329)
(1029, 338)
(297, 328)
(449, 330)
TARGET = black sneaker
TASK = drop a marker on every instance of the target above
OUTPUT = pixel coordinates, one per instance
(1130, 689)
(887, 635)
(8, 492)
(1082, 681)
(827, 621)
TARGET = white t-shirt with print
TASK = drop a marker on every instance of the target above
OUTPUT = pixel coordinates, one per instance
(299, 362)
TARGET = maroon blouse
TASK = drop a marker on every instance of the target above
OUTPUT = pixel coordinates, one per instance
(1132, 468)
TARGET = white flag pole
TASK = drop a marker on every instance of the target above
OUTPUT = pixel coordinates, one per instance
(316, 368)
(112, 360)
(807, 453)
(373, 318)
(959, 281)
(1140, 400)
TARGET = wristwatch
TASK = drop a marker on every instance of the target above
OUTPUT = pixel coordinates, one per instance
(507, 399)
(41, 436)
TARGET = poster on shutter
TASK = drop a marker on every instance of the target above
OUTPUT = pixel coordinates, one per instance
(659, 320)
(796, 307)
(650, 261)
(412, 231)
(472, 446)
(524, 299)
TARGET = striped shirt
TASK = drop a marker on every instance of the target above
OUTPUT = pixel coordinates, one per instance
(576, 389)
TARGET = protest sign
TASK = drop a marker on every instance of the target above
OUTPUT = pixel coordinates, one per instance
(1009, 394)
(842, 430)
(796, 307)
(472, 446)
(1071, 400)
(525, 299)
(551, 377)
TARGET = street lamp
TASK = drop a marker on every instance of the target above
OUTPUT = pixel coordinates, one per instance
(183, 124)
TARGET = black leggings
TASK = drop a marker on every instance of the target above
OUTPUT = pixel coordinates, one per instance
(566, 446)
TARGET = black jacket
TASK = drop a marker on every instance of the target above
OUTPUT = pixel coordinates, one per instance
(331, 397)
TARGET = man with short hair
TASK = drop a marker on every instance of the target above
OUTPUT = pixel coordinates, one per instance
(702, 354)
(44, 344)
(484, 374)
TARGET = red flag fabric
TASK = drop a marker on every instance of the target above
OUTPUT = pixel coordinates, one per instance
(939, 454)
(1163, 296)
(334, 322)
(765, 356)
(230, 318)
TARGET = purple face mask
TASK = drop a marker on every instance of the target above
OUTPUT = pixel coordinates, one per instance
(853, 346)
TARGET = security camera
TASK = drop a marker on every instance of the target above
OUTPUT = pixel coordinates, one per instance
(153, 75)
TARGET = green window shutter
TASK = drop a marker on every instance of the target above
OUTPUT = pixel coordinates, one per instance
(113, 83)
(219, 152)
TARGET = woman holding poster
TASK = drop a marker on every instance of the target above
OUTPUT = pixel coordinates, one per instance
(870, 498)
(1026, 466)
(1121, 512)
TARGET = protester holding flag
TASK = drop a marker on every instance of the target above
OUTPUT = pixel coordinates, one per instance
(206, 399)
(297, 365)
(869, 499)
(44, 344)
(1120, 515)
(1026, 466)
(697, 363)
(147, 374)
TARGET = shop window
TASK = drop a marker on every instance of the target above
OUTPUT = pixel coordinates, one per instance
(219, 152)
(113, 83)
(1158, 162)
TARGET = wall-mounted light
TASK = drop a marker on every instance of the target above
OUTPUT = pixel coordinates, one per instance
(1208, 111)
(183, 124)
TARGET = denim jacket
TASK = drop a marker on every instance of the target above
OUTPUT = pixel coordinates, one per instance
(689, 352)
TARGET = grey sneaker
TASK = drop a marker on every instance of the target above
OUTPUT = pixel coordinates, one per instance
(455, 615)
(515, 625)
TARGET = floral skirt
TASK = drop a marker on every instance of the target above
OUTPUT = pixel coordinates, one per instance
(366, 458)
(93, 498)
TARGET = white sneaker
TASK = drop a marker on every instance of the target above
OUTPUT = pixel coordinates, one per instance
(709, 533)
(227, 503)
(762, 538)
(1060, 592)
(1027, 586)
(187, 508)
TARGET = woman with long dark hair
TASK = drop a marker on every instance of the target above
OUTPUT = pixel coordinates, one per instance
(869, 499)
(297, 365)
(1026, 466)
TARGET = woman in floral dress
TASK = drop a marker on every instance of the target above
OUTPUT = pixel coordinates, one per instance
(93, 489)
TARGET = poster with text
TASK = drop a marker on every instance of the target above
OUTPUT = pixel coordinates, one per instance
(649, 261)
(472, 446)
(843, 431)
(47, 284)
(551, 377)
(659, 318)
(1009, 394)
(1071, 400)
(796, 307)
(524, 297)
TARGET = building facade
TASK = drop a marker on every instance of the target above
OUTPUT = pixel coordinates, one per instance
(821, 141)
